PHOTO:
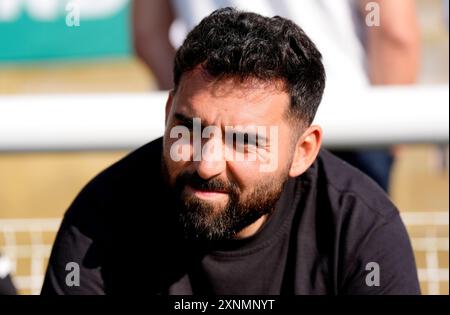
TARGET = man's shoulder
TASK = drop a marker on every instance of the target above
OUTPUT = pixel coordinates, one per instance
(355, 218)
(128, 183)
(346, 186)
(140, 164)
(146, 157)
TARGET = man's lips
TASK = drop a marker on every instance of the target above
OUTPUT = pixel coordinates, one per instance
(205, 193)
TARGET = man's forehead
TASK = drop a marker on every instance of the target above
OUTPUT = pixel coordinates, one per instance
(231, 99)
(226, 85)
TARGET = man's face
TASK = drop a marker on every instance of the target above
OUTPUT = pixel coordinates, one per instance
(222, 186)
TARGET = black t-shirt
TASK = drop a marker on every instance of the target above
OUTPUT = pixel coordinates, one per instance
(333, 231)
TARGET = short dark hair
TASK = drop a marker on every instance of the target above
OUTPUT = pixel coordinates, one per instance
(235, 44)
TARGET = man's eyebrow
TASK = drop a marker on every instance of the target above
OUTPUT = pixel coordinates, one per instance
(188, 121)
(183, 118)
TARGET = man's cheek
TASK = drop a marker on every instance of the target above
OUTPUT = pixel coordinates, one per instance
(269, 158)
(244, 174)
(173, 168)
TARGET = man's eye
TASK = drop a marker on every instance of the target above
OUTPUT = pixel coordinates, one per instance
(252, 141)
(248, 141)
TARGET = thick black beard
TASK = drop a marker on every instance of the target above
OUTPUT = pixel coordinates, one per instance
(199, 220)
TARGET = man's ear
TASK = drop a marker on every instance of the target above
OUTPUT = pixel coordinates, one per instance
(306, 150)
(169, 103)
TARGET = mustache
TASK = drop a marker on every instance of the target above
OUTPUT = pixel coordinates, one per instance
(195, 181)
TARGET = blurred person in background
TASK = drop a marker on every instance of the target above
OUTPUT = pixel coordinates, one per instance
(6, 285)
(355, 54)
(445, 5)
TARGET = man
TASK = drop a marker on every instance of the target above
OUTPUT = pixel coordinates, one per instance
(237, 197)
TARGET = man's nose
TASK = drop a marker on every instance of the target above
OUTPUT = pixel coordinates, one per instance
(212, 161)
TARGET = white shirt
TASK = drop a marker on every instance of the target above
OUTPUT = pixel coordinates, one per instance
(331, 24)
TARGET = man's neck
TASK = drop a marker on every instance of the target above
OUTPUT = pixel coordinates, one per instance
(251, 229)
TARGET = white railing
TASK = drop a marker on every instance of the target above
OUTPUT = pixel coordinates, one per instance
(362, 117)
(23, 241)
(430, 243)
